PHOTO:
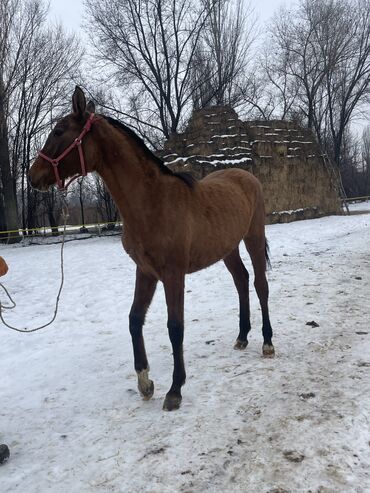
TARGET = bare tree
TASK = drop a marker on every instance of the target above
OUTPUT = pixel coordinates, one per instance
(16, 21)
(322, 48)
(365, 162)
(37, 67)
(280, 90)
(149, 48)
(296, 55)
(46, 70)
(104, 202)
(348, 79)
(223, 53)
(268, 91)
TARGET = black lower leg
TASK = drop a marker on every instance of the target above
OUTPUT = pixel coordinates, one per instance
(241, 280)
(257, 248)
(176, 334)
(262, 292)
(244, 321)
(266, 327)
(144, 291)
(174, 291)
(136, 322)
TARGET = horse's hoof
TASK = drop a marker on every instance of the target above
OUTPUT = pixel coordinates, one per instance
(172, 402)
(268, 351)
(147, 393)
(240, 344)
(145, 385)
(147, 390)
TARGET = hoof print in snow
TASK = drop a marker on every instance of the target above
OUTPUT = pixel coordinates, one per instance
(4, 453)
(313, 324)
(363, 364)
(293, 456)
(155, 451)
(307, 395)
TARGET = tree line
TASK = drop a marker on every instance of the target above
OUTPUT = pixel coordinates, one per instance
(152, 62)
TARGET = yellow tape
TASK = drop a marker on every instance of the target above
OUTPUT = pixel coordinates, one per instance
(71, 227)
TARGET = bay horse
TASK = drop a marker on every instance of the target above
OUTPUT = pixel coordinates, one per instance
(172, 224)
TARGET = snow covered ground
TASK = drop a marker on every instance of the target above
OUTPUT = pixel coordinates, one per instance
(74, 421)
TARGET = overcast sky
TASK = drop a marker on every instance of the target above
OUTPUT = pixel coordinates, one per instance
(70, 12)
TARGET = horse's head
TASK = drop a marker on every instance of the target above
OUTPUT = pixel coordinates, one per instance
(69, 150)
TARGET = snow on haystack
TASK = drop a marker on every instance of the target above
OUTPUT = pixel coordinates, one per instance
(74, 421)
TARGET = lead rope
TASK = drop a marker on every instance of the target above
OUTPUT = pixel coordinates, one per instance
(65, 215)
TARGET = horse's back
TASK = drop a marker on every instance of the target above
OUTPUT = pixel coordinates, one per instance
(233, 178)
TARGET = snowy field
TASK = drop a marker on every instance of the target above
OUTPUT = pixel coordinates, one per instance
(74, 421)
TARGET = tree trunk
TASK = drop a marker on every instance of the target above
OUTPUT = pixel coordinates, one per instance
(53, 223)
(80, 196)
(9, 200)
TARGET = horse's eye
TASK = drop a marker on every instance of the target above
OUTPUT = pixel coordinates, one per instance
(58, 132)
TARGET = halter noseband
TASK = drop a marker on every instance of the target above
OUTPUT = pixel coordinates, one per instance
(76, 143)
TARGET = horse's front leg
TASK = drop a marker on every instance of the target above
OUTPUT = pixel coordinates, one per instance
(144, 291)
(174, 291)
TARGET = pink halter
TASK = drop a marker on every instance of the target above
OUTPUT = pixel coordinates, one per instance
(76, 143)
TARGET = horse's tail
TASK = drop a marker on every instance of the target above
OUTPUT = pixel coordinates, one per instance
(267, 255)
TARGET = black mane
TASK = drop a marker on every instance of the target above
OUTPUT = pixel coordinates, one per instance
(185, 177)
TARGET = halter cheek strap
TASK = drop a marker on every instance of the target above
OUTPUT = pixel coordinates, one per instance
(76, 143)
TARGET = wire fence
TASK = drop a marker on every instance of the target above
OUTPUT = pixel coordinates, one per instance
(85, 231)
(79, 231)
(350, 200)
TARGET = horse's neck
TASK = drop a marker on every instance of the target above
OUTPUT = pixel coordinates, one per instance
(130, 176)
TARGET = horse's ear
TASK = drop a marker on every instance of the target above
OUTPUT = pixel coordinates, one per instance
(90, 107)
(79, 102)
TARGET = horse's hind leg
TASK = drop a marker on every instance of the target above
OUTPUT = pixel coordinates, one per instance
(256, 247)
(144, 291)
(241, 280)
(174, 291)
